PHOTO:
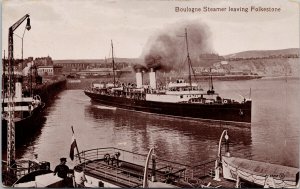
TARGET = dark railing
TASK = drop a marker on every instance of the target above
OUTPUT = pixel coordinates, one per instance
(203, 169)
(178, 170)
(22, 167)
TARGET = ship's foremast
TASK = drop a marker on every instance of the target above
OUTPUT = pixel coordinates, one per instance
(113, 63)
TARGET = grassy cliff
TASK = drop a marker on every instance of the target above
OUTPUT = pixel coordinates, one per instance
(267, 62)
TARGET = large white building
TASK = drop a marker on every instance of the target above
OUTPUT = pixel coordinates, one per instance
(49, 70)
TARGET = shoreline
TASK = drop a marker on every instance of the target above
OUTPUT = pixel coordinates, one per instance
(229, 77)
(280, 77)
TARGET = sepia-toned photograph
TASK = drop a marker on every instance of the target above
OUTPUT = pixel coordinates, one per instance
(150, 94)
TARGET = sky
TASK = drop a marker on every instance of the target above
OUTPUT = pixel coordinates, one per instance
(83, 29)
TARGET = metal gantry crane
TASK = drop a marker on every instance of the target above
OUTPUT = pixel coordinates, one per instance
(11, 153)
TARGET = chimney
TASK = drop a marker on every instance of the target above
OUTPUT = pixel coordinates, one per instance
(139, 78)
(152, 78)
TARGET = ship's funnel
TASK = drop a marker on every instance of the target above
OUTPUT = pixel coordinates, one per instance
(18, 93)
(152, 78)
(139, 79)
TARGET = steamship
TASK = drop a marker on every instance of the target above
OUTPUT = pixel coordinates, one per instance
(25, 114)
(177, 99)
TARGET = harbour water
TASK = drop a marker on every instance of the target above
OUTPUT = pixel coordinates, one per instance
(273, 137)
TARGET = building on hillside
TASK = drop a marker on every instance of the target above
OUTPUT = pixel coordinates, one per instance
(43, 61)
(96, 72)
(71, 66)
(75, 67)
(103, 72)
(49, 70)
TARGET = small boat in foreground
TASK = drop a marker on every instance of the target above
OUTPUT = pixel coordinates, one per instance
(251, 173)
(113, 167)
(260, 173)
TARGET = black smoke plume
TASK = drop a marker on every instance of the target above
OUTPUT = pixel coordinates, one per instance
(140, 68)
(166, 50)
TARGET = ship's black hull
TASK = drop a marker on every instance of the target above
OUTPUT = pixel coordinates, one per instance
(31, 125)
(238, 113)
(24, 128)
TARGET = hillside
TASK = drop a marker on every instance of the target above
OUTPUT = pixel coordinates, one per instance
(263, 53)
(267, 62)
(269, 67)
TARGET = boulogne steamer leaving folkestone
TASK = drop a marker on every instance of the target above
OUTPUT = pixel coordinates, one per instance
(178, 99)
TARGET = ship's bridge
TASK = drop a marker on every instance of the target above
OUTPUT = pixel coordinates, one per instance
(98, 85)
(181, 83)
(181, 87)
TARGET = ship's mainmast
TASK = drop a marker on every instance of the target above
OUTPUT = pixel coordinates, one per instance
(11, 153)
(188, 58)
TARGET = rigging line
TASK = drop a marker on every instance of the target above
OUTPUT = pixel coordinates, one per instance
(181, 65)
(235, 86)
(181, 70)
(193, 71)
(189, 64)
(183, 59)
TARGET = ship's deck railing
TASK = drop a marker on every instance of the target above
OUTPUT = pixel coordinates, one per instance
(17, 170)
(164, 168)
(202, 169)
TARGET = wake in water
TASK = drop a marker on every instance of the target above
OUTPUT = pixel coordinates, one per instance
(104, 107)
(82, 99)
